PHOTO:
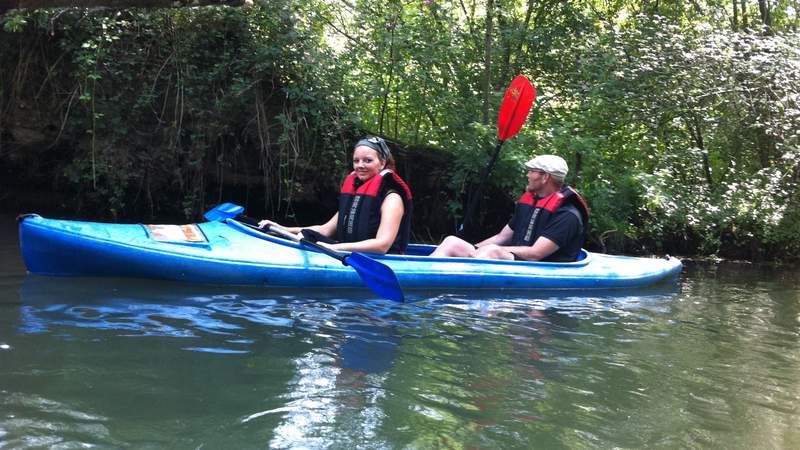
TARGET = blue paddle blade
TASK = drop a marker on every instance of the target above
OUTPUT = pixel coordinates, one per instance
(222, 212)
(377, 276)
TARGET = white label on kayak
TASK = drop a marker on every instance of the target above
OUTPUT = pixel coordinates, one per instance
(177, 233)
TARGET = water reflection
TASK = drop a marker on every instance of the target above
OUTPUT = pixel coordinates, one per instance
(335, 351)
(362, 337)
(224, 367)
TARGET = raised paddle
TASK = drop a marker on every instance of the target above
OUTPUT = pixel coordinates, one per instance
(514, 111)
(377, 276)
(223, 211)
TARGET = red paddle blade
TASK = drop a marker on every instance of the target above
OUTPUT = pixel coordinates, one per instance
(515, 108)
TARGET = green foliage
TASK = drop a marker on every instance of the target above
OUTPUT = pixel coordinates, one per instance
(681, 125)
(14, 22)
(723, 106)
(162, 100)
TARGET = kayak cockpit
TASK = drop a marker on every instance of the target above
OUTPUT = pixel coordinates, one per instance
(414, 252)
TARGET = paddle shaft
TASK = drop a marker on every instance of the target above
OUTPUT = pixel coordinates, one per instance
(513, 113)
(291, 236)
(474, 198)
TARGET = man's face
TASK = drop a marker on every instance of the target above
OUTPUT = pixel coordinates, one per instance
(536, 180)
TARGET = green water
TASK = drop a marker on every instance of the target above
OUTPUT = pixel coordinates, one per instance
(713, 362)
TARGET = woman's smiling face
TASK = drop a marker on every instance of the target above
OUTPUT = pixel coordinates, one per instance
(366, 163)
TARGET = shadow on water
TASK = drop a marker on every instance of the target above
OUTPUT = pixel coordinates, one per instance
(98, 302)
(311, 367)
(153, 308)
(146, 307)
(362, 331)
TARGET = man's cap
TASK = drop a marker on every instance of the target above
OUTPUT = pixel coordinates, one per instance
(552, 164)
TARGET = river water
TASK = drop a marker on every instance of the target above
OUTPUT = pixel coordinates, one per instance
(711, 362)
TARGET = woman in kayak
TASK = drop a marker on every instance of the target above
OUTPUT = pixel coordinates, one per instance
(374, 206)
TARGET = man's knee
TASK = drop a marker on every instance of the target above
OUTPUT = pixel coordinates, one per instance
(487, 251)
(493, 251)
(454, 246)
(450, 240)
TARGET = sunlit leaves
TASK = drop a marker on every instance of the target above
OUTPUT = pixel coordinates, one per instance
(673, 123)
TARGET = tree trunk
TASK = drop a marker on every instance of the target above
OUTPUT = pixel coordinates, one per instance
(522, 35)
(506, 44)
(766, 16)
(796, 21)
(694, 127)
(744, 14)
(487, 61)
(469, 15)
(388, 87)
(5, 5)
(735, 20)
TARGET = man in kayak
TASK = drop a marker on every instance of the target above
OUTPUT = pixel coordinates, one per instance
(549, 222)
(374, 206)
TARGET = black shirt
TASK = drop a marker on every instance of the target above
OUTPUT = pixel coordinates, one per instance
(565, 229)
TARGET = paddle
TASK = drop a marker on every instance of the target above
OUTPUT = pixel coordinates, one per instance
(223, 211)
(514, 111)
(377, 276)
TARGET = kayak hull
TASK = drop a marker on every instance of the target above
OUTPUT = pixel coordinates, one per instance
(231, 253)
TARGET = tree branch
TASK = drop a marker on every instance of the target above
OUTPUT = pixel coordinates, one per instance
(6, 5)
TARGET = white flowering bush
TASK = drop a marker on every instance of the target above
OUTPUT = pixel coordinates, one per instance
(708, 124)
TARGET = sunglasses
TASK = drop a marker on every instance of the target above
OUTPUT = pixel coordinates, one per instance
(380, 142)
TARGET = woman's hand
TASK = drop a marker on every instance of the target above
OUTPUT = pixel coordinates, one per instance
(325, 244)
(327, 229)
(266, 222)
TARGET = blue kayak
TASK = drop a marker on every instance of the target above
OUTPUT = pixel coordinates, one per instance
(231, 253)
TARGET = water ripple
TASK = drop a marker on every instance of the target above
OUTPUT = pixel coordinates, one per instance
(709, 366)
(56, 424)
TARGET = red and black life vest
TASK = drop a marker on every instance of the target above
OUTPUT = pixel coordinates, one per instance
(360, 208)
(532, 214)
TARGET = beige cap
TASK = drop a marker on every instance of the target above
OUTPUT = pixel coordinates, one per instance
(552, 164)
